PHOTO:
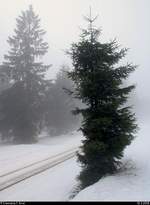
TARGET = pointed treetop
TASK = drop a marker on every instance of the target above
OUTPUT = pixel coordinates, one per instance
(89, 17)
(91, 31)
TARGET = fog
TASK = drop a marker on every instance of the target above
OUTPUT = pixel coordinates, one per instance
(127, 20)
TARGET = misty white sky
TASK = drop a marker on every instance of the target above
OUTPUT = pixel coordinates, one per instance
(127, 20)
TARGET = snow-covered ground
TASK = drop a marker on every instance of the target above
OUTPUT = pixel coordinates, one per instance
(55, 184)
(13, 157)
(132, 183)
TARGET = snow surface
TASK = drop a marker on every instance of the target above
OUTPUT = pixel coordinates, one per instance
(55, 184)
(13, 157)
(132, 183)
(51, 185)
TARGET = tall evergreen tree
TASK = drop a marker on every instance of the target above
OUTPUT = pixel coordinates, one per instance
(21, 105)
(108, 124)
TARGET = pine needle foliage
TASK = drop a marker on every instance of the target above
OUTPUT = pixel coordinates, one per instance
(108, 124)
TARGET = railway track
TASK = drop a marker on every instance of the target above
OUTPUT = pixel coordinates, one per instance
(13, 177)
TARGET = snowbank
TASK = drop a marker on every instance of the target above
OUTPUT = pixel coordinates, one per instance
(132, 183)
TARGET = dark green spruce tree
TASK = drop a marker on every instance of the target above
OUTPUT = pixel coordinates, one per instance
(108, 124)
(21, 106)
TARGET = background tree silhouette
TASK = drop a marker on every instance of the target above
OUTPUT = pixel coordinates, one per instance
(21, 106)
(59, 105)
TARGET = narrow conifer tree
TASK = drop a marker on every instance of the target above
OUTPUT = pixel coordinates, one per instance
(108, 124)
(21, 105)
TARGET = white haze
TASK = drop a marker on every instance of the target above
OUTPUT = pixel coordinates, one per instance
(127, 20)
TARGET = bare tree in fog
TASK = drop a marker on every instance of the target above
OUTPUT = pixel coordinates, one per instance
(21, 106)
